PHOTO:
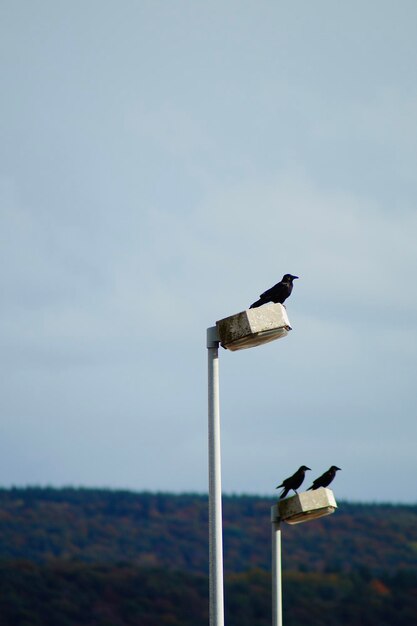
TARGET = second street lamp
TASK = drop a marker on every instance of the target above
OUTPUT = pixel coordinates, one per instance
(303, 507)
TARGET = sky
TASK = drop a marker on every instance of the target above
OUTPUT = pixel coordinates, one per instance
(163, 163)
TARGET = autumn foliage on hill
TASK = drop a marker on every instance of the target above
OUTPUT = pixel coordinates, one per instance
(117, 558)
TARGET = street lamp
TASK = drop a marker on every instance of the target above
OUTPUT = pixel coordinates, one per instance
(301, 508)
(247, 329)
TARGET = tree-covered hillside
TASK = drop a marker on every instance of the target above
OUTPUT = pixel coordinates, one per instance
(166, 530)
(85, 594)
(75, 557)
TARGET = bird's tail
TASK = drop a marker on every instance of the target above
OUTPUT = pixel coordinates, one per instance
(256, 304)
(284, 493)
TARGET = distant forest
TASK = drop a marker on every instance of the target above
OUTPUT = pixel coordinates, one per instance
(119, 558)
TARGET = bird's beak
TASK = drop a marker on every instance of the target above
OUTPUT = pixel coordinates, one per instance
(339, 468)
(308, 468)
(294, 277)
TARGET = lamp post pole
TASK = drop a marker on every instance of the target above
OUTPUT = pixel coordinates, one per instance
(276, 568)
(215, 484)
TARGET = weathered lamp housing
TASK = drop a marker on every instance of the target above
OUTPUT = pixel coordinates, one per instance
(253, 327)
(306, 506)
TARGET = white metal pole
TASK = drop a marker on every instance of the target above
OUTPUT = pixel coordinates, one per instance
(276, 568)
(215, 484)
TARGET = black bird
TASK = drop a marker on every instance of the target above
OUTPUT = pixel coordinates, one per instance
(293, 482)
(278, 293)
(325, 479)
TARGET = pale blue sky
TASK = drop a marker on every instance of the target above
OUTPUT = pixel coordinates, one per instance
(163, 163)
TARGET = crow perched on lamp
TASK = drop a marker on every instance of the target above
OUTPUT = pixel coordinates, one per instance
(293, 482)
(325, 479)
(278, 293)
